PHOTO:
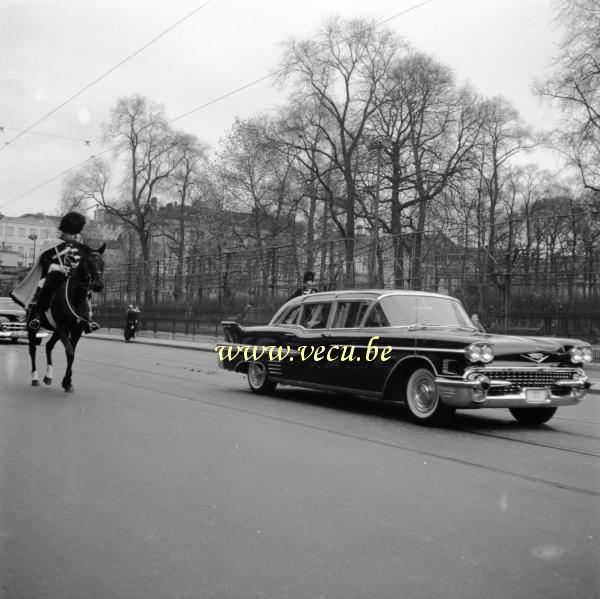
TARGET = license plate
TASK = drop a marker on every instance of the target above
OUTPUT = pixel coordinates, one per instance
(536, 395)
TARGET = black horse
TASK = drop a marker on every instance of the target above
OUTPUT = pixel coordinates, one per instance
(70, 311)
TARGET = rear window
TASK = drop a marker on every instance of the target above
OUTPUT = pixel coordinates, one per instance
(290, 317)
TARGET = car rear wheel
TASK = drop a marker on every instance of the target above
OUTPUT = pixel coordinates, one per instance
(258, 379)
(532, 415)
(423, 402)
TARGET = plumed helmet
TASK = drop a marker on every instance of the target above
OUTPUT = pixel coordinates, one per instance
(72, 222)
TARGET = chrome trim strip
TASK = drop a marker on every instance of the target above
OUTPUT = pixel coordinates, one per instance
(333, 388)
(328, 341)
(435, 349)
(574, 369)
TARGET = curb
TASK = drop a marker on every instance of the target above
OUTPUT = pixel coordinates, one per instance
(171, 343)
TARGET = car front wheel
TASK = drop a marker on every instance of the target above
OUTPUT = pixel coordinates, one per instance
(423, 402)
(532, 415)
(258, 379)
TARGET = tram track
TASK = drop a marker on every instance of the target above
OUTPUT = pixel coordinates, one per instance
(371, 440)
(462, 429)
(332, 430)
(358, 407)
(534, 443)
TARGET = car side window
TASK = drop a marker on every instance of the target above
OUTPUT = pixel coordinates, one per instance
(291, 317)
(314, 316)
(377, 318)
(349, 314)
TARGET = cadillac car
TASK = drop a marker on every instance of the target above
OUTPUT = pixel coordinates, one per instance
(12, 322)
(417, 349)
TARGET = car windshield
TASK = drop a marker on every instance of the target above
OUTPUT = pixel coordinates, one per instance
(425, 310)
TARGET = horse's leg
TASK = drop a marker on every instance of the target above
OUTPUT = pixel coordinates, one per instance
(32, 338)
(49, 347)
(70, 340)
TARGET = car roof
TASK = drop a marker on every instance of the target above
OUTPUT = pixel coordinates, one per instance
(7, 303)
(366, 293)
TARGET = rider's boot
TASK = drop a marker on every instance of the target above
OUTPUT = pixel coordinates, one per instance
(41, 305)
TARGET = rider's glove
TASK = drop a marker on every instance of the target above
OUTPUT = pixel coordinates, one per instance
(59, 267)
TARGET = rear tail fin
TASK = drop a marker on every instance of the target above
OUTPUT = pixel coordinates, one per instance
(232, 330)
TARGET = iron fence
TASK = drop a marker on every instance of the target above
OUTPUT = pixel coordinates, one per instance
(525, 288)
(522, 291)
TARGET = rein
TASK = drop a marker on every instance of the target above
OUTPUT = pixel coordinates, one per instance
(79, 318)
(86, 285)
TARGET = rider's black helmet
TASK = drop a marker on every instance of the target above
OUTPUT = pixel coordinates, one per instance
(72, 222)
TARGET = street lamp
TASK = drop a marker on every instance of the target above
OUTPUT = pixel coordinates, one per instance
(33, 238)
(377, 144)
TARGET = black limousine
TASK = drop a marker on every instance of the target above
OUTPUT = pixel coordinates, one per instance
(415, 348)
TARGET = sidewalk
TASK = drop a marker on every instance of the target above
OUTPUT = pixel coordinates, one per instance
(180, 341)
(207, 343)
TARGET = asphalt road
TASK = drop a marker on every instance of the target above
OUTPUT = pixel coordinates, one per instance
(164, 477)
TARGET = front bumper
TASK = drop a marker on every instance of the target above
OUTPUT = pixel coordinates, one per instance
(461, 393)
(21, 334)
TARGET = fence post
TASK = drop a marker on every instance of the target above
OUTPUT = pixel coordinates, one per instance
(273, 271)
(156, 282)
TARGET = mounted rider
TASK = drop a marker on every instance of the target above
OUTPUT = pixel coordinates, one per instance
(58, 258)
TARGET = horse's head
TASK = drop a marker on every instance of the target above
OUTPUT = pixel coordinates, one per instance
(91, 268)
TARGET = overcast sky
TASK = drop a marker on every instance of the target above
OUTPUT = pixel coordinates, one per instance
(52, 49)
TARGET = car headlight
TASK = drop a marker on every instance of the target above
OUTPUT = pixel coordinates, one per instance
(581, 354)
(479, 352)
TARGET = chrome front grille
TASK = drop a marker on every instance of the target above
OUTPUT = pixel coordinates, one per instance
(11, 327)
(542, 378)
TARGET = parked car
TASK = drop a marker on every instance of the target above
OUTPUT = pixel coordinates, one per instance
(12, 322)
(429, 356)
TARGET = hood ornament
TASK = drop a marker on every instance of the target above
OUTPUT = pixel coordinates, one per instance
(535, 357)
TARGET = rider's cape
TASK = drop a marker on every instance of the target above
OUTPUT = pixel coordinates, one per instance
(24, 292)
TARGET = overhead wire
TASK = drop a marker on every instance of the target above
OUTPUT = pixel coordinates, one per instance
(187, 113)
(87, 142)
(111, 70)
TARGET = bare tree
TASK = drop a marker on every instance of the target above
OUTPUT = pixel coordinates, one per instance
(503, 137)
(139, 132)
(254, 178)
(575, 86)
(440, 127)
(339, 71)
(189, 157)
